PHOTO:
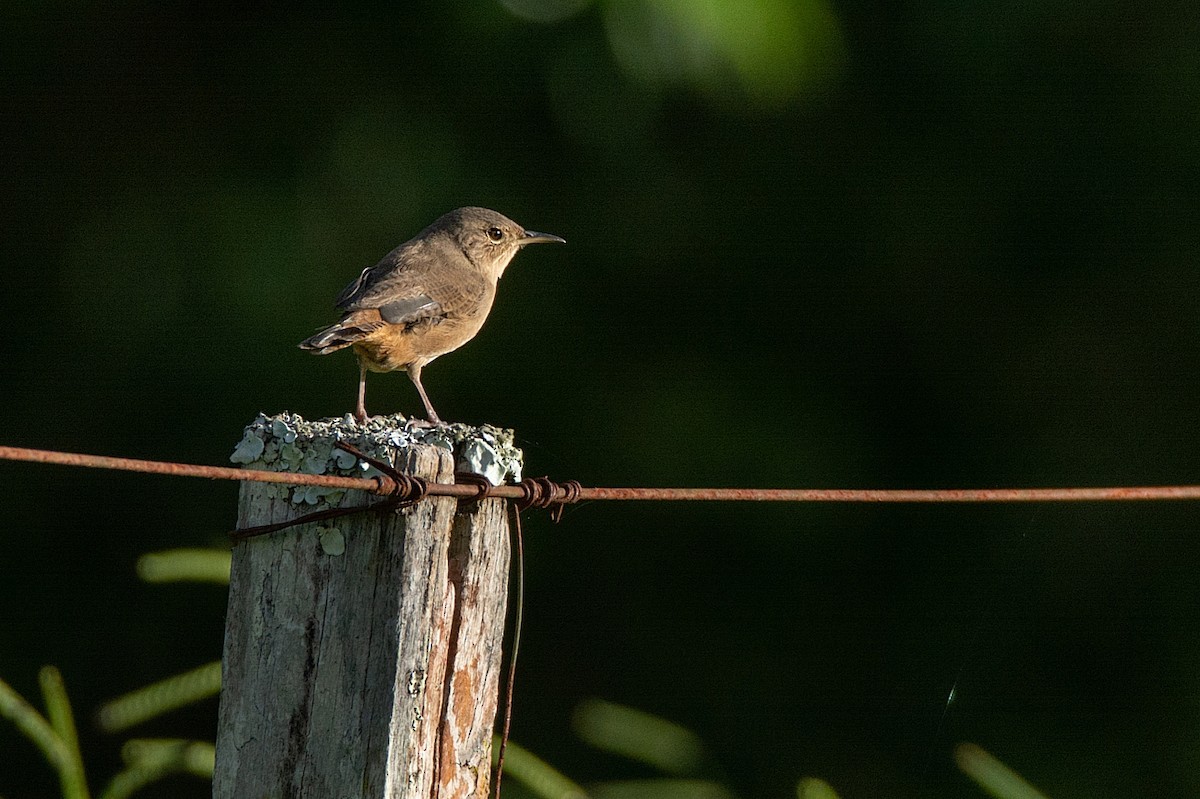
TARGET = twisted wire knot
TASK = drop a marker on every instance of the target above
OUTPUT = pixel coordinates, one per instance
(571, 491)
(482, 484)
(401, 489)
(542, 492)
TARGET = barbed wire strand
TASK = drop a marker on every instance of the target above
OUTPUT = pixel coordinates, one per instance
(542, 492)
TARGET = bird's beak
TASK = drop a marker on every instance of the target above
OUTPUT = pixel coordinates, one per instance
(533, 237)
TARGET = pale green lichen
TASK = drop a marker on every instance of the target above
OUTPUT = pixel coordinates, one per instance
(291, 455)
(344, 460)
(485, 450)
(483, 459)
(332, 541)
(287, 442)
(282, 430)
(249, 449)
(316, 457)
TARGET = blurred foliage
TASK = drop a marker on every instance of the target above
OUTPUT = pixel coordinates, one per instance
(993, 776)
(146, 761)
(811, 243)
(160, 697)
(54, 734)
(185, 565)
(768, 53)
(638, 735)
(813, 788)
(535, 775)
(150, 760)
(676, 752)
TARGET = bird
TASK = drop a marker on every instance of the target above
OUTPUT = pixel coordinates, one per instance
(427, 297)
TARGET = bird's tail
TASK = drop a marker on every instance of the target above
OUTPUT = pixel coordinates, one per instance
(341, 335)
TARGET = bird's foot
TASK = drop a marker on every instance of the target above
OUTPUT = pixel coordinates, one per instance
(393, 420)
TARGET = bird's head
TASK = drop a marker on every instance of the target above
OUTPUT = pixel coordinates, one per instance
(489, 239)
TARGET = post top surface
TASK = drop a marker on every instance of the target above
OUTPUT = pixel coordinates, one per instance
(289, 442)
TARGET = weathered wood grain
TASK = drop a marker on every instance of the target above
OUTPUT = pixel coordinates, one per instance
(364, 662)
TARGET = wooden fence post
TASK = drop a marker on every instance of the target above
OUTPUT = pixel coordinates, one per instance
(362, 654)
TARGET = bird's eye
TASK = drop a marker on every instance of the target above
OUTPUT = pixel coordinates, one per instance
(495, 233)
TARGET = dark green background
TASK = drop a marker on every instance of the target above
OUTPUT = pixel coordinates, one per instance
(931, 244)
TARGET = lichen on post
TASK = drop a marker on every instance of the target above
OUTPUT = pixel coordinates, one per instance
(362, 654)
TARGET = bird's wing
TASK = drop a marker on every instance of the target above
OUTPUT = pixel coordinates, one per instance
(394, 272)
(355, 286)
(405, 310)
(409, 286)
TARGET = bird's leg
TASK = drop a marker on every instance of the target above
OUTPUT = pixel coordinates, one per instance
(414, 374)
(360, 410)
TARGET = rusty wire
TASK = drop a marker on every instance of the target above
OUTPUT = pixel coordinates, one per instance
(541, 492)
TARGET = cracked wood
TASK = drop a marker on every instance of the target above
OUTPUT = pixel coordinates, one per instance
(369, 673)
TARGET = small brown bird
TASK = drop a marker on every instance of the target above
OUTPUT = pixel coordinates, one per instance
(427, 297)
